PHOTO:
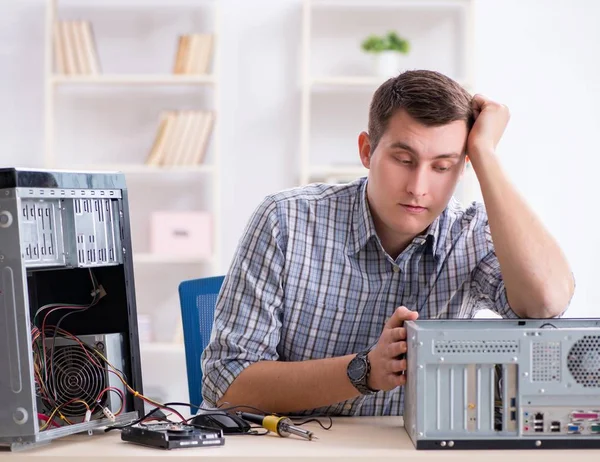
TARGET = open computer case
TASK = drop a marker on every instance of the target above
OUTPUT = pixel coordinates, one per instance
(69, 349)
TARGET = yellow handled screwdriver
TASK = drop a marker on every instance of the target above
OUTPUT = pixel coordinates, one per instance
(283, 426)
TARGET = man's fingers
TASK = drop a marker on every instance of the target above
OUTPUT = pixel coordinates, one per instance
(397, 365)
(396, 334)
(399, 380)
(396, 349)
(399, 316)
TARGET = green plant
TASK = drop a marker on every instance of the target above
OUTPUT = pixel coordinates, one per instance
(389, 42)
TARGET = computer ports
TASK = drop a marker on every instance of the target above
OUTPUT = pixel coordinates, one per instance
(585, 415)
(595, 427)
(539, 416)
(574, 428)
(555, 426)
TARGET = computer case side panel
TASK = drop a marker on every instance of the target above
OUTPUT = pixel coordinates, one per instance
(133, 343)
(17, 390)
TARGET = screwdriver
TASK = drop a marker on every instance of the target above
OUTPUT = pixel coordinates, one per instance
(283, 426)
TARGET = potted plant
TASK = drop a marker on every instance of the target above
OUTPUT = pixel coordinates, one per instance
(388, 51)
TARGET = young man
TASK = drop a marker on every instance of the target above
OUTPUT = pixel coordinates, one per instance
(325, 275)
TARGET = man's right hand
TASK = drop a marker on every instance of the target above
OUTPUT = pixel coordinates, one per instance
(386, 367)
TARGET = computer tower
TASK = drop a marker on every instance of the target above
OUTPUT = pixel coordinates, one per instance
(503, 383)
(68, 318)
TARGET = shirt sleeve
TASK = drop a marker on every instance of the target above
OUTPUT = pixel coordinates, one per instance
(487, 281)
(248, 313)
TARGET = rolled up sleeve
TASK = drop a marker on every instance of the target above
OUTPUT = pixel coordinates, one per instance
(487, 281)
(247, 323)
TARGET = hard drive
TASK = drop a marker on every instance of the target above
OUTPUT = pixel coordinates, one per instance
(172, 436)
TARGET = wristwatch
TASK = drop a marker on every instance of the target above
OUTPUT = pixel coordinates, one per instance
(358, 372)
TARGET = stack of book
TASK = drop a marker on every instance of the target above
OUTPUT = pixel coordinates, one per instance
(182, 138)
(194, 53)
(74, 48)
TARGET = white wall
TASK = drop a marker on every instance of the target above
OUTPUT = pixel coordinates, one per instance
(537, 56)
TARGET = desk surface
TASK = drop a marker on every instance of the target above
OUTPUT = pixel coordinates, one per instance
(350, 438)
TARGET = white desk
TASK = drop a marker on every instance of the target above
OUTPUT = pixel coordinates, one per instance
(351, 438)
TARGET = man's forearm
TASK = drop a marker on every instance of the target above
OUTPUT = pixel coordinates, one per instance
(283, 387)
(536, 274)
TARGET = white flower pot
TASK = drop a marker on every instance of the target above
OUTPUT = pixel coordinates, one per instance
(388, 63)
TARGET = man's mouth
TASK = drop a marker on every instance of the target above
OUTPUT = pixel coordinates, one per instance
(413, 208)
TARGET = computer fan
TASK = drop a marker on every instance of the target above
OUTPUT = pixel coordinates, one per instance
(76, 373)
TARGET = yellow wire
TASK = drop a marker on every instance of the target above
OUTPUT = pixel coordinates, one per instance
(62, 417)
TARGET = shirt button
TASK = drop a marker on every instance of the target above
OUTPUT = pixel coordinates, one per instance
(396, 268)
(347, 406)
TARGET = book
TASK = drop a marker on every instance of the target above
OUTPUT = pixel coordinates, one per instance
(182, 138)
(74, 48)
(194, 54)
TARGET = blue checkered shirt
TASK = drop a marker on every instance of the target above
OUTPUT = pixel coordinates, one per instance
(310, 280)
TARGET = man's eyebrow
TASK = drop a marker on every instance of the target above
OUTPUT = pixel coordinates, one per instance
(406, 147)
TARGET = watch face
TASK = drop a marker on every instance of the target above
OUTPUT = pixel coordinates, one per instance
(356, 369)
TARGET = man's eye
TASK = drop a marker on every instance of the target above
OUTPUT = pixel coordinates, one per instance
(442, 169)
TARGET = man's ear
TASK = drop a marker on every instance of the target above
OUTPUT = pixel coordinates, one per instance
(364, 149)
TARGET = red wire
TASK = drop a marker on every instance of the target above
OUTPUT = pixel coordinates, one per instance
(46, 418)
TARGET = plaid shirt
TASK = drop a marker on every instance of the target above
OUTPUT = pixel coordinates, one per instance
(310, 280)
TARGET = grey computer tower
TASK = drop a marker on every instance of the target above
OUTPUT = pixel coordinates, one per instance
(503, 383)
(68, 318)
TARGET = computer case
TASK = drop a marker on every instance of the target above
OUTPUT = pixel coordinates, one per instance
(68, 318)
(503, 383)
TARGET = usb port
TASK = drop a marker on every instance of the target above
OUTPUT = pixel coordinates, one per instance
(555, 426)
(513, 415)
(539, 429)
(513, 402)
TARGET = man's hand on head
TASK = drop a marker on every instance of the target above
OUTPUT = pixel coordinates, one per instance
(386, 367)
(491, 119)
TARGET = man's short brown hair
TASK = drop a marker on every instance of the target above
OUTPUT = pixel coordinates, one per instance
(429, 97)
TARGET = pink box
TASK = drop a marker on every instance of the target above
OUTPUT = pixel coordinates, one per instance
(181, 234)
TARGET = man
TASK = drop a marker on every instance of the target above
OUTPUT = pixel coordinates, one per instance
(310, 314)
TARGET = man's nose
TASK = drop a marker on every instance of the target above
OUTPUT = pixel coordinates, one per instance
(417, 184)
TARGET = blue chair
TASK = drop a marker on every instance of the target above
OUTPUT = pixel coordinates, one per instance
(198, 298)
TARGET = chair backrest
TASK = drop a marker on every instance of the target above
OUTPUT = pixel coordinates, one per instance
(198, 298)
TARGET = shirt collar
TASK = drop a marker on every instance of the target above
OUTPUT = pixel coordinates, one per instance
(363, 227)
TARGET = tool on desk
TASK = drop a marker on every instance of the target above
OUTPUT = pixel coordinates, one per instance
(283, 426)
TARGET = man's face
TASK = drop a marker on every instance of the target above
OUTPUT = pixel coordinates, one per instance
(412, 175)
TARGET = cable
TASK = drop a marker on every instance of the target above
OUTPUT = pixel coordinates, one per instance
(95, 300)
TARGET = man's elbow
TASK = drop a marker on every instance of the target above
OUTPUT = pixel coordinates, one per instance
(550, 302)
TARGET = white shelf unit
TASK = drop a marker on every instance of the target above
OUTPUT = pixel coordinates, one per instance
(338, 78)
(133, 79)
(97, 106)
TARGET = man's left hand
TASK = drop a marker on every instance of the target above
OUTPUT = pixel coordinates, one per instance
(491, 119)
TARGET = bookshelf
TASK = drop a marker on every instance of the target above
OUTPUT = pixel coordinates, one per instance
(103, 113)
(338, 79)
